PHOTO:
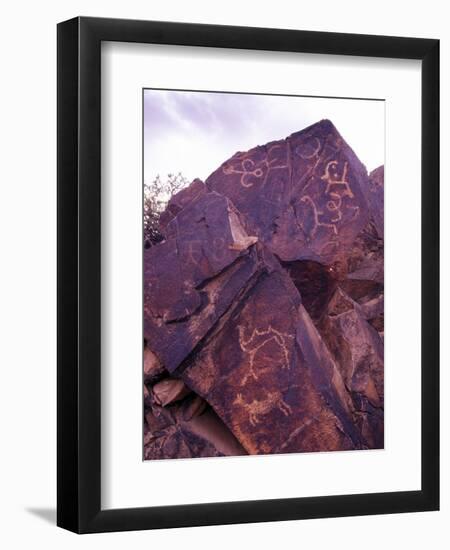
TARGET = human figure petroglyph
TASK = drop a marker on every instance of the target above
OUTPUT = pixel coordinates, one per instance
(256, 341)
(258, 407)
(338, 180)
(335, 195)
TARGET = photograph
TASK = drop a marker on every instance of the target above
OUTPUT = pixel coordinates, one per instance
(197, 198)
(263, 274)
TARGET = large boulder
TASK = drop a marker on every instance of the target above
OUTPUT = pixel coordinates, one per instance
(267, 373)
(303, 196)
(191, 278)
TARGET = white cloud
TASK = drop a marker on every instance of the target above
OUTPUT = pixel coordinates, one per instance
(194, 132)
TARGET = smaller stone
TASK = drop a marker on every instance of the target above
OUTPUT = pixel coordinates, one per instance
(358, 351)
(169, 390)
(186, 429)
(153, 369)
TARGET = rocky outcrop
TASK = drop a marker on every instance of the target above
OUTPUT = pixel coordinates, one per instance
(263, 306)
(193, 277)
(268, 375)
(358, 351)
(302, 196)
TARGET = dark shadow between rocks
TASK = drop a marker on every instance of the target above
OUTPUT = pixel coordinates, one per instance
(316, 284)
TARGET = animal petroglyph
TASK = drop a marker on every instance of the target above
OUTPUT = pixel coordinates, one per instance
(258, 407)
(256, 341)
(316, 213)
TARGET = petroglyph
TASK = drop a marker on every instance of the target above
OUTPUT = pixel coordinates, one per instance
(271, 163)
(313, 152)
(316, 214)
(355, 209)
(335, 206)
(335, 203)
(250, 168)
(257, 340)
(194, 251)
(259, 407)
(337, 180)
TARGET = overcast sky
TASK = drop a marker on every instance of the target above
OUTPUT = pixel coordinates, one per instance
(194, 132)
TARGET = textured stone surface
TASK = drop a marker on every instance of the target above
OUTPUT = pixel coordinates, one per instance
(365, 266)
(181, 199)
(375, 198)
(268, 375)
(169, 391)
(302, 196)
(191, 278)
(153, 369)
(264, 306)
(358, 351)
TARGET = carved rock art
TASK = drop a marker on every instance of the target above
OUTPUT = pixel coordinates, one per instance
(264, 306)
(302, 196)
(263, 375)
(192, 277)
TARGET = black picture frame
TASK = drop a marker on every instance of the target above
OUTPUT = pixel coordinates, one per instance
(79, 275)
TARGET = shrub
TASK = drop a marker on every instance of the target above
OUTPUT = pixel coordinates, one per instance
(156, 196)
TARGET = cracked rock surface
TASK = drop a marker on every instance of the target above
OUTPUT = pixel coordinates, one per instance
(264, 306)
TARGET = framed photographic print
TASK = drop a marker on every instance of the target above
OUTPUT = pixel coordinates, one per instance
(248, 255)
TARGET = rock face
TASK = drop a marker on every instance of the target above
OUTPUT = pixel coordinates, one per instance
(375, 199)
(194, 275)
(358, 351)
(302, 196)
(268, 375)
(263, 306)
